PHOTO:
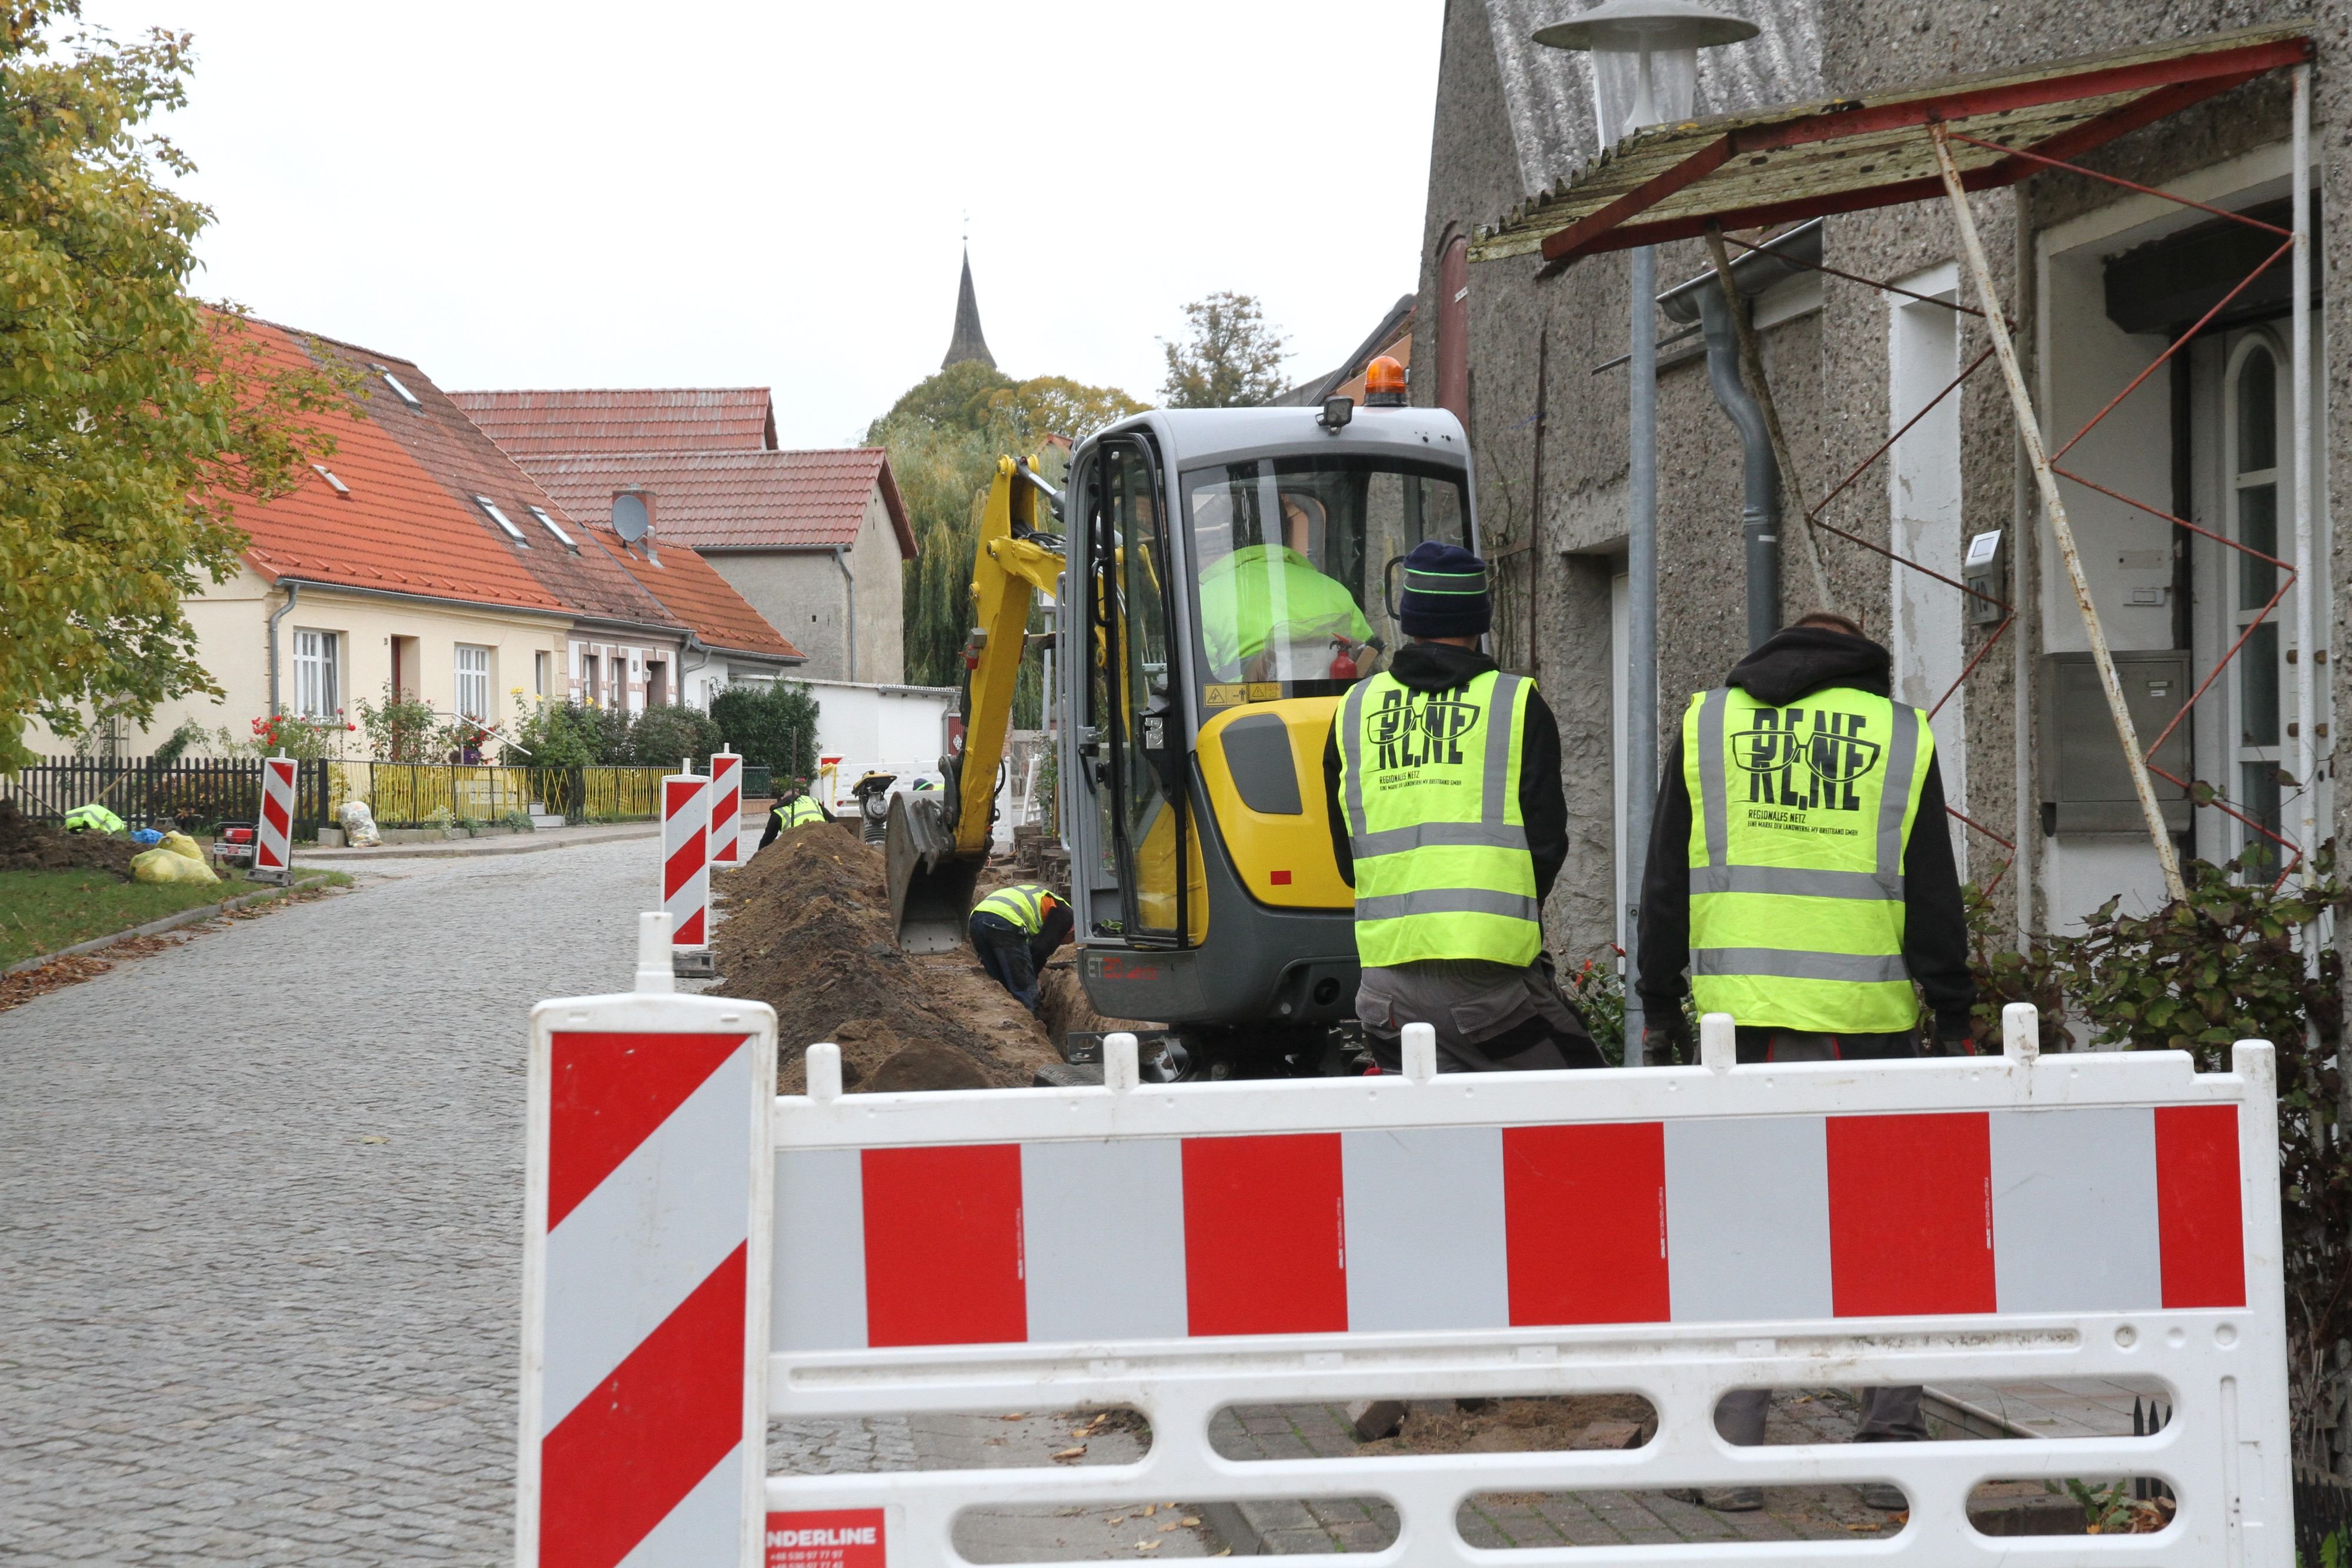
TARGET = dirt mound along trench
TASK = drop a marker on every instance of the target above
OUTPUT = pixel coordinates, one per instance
(29, 844)
(808, 932)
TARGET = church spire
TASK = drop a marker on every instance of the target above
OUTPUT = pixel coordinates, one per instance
(968, 342)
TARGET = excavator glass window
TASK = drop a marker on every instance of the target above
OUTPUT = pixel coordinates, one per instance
(1294, 561)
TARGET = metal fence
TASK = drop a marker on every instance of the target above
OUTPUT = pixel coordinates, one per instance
(190, 793)
(422, 794)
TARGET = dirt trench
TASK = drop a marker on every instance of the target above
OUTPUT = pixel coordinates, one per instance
(32, 843)
(807, 931)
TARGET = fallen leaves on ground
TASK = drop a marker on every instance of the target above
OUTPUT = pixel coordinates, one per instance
(1071, 1453)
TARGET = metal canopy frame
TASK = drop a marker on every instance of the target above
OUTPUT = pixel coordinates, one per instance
(1950, 138)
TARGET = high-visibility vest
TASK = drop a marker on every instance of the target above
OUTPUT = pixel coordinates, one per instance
(1429, 782)
(799, 811)
(92, 817)
(1264, 593)
(1799, 821)
(1023, 903)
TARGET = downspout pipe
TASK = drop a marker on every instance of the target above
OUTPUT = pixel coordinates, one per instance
(841, 559)
(293, 592)
(1760, 475)
(693, 644)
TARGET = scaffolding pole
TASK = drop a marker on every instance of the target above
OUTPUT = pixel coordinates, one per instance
(2307, 656)
(2028, 430)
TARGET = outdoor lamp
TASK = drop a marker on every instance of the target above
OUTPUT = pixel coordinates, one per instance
(1644, 57)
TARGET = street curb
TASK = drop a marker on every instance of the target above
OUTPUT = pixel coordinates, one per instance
(1232, 1527)
(157, 928)
(346, 857)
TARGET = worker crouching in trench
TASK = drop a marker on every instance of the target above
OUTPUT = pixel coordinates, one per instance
(1014, 931)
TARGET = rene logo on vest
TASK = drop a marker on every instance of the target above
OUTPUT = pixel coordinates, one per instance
(1805, 757)
(1406, 733)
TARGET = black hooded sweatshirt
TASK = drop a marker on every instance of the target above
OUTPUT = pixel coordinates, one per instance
(1543, 803)
(1789, 667)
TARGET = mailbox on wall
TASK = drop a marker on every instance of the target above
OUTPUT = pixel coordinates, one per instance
(2085, 786)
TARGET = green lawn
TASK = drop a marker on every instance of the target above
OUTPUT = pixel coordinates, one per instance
(42, 910)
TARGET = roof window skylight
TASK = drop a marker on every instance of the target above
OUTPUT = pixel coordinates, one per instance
(337, 485)
(554, 528)
(503, 521)
(410, 398)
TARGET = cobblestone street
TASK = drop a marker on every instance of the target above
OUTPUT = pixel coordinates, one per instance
(260, 1223)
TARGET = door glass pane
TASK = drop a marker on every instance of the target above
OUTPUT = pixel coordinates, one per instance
(1150, 718)
(2257, 529)
(2258, 797)
(2257, 413)
(2258, 687)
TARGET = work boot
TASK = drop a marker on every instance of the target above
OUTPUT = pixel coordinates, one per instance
(1883, 1496)
(1723, 1499)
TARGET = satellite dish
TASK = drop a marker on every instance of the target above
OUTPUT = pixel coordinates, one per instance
(629, 519)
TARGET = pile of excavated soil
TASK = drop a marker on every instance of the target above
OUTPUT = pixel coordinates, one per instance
(1062, 1001)
(807, 931)
(28, 844)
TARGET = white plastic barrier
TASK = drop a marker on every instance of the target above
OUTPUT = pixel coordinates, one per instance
(726, 809)
(1676, 1232)
(685, 857)
(273, 835)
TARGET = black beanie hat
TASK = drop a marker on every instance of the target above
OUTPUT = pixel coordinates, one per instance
(1445, 593)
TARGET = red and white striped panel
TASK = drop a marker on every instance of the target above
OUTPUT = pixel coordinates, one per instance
(726, 807)
(273, 838)
(638, 1327)
(1710, 1219)
(685, 857)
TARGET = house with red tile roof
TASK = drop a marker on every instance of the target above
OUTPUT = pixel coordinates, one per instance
(813, 539)
(421, 559)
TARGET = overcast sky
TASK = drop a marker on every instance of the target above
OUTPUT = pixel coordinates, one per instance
(707, 194)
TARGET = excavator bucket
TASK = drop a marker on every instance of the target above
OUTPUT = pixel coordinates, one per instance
(930, 885)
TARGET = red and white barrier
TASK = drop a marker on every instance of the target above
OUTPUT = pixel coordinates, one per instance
(685, 857)
(1676, 1232)
(644, 1262)
(726, 808)
(273, 837)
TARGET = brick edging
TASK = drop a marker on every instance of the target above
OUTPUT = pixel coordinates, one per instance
(157, 928)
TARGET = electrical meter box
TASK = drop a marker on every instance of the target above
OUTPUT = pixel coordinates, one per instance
(2086, 786)
(1985, 568)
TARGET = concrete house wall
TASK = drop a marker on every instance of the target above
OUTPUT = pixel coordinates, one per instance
(804, 594)
(1847, 362)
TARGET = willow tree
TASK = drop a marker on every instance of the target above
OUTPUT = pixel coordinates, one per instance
(132, 416)
(944, 437)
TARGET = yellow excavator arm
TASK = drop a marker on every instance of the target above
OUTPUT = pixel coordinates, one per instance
(935, 846)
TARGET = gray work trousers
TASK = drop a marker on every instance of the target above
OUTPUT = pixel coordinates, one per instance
(1489, 1018)
(1888, 1415)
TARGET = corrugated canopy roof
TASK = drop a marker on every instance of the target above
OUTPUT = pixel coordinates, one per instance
(1842, 156)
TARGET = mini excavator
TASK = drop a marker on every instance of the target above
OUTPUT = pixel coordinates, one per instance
(1220, 577)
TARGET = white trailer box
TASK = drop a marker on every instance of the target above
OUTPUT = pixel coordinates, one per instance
(861, 728)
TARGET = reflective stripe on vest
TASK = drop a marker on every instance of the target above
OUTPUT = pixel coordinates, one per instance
(1800, 817)
(1021, 905)
(801, 812)
(1431, 802)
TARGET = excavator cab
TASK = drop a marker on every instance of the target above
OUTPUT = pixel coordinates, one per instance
(1232, 573)
(1223, 576)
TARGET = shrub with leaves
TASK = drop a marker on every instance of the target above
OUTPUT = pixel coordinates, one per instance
(136, 415)
(403, 729)
(2224, 965)
(664, 736)
(773, 724)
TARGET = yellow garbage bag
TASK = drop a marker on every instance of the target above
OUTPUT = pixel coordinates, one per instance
(181, 844)
(164, 865)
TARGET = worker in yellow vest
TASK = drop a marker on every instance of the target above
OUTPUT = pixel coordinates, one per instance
(1449, 820)
(1800, 868)
(793, 809)
(1015, 930)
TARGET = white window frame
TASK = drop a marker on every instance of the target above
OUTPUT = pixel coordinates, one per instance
(463, 678)
(394, 383)
(318, 687)
(541, 663)
(2279, 478)
(490, 508)
(552, 526)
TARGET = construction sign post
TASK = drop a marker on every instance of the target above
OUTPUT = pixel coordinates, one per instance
(686, 868)
(726, 809)
(273, 833)
(1676, 1232)
(644, 1275)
